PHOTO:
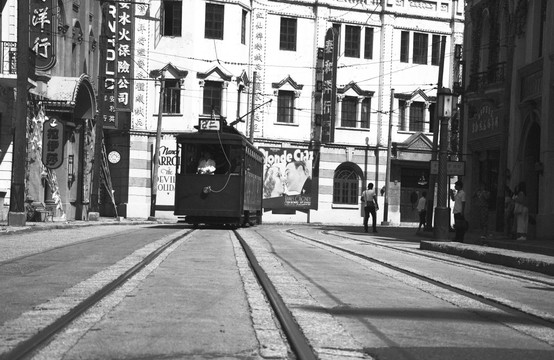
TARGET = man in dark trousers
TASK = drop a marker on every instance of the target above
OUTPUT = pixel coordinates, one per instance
(369, 200)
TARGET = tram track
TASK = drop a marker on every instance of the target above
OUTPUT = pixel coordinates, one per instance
(543, 319)
(536, 279)
(297, 341)
(29, 346)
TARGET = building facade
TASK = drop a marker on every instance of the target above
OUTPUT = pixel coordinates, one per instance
(61, 103)
(260, 65)
(508, 104)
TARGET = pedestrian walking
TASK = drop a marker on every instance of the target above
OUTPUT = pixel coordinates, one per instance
(459, 198)
(521, 211)
(481, 198)
(422, 210)
(369, 201)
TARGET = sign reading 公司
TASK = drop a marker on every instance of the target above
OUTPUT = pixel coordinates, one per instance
(117, 63)
(41, 30)
(52, 143)
(124, 47)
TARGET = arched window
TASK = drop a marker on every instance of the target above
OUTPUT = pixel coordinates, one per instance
(346, 185)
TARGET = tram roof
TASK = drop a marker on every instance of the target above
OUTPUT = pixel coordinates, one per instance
(228, 133)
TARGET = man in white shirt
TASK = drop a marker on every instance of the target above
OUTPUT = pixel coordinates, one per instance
(369, 201)
(459, 198)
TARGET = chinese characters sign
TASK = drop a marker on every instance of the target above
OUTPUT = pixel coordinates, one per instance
(141, 46)
(117, 64)
(485, 122)
(52, 143)
(329, 85)
(291, 178)
(42, 39)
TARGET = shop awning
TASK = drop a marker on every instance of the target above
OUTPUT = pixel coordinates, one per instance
(59, 93)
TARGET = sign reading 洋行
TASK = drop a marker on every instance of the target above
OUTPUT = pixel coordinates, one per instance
(41, 30)
(52, 143)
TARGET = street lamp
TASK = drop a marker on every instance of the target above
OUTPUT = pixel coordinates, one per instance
(157, 74)
(445, 99)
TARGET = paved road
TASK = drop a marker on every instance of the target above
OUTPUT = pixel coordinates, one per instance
(200, 300)
(346, 303)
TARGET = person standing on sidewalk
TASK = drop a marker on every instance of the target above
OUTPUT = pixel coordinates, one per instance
(422, 210)
(521, 211)
(369, 201)
(459, 198)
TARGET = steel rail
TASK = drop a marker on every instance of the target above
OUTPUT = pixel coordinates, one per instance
(27, 347)
(491, 302)
(484, 268)
(298, 342)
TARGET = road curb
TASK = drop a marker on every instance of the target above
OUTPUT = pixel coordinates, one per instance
(509, 258)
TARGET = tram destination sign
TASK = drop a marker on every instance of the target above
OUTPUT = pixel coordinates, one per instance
(209, 124)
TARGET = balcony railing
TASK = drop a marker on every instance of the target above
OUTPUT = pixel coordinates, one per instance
(481, 80)
(8, 58)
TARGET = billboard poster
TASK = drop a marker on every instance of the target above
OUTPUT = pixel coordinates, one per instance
(290, 178)
(167, 161)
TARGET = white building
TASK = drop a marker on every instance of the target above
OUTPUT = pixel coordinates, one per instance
(210, 51)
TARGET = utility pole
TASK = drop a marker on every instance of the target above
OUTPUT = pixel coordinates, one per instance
(16, 215)
(253, 104)
(387, 175)
(156, 166)
(94, 213)
(434, 155)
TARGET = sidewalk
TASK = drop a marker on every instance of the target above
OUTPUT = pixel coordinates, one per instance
(57, 223)
(532, 255)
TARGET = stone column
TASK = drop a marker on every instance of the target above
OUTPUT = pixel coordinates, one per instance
(224, 96)
(338, 118)
(359, 112)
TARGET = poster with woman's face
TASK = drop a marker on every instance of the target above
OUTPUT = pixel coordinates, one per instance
(288, 178)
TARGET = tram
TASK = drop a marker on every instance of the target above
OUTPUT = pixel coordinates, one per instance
(218, 177)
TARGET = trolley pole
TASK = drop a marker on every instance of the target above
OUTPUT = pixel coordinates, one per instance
(387, 175)
(16, 214)
(154, 187)
(253, 106)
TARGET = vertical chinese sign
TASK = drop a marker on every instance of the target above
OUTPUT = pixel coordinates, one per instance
(52, 143)
(141, 46)
(258, 62)
(117, 64)
(42, 39)
(329, 85)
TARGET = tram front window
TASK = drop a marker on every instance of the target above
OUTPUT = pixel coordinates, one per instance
(210, 159)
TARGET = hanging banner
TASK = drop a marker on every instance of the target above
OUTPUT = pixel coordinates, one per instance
(117, 64)
(42, 39)
(125, 63)
(52, 143)
(290, 178)
(330, 53)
